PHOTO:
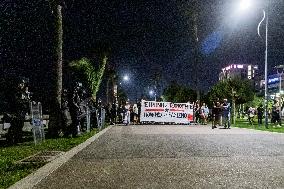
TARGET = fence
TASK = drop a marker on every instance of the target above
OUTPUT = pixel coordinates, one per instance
(37, 122)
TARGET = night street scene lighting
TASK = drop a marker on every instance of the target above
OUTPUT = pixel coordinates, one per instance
(141, 94)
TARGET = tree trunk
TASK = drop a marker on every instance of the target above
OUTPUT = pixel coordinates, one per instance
(55, 109)
(107, 90)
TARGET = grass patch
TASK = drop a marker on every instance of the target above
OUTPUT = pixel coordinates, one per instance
(11, 172)
(243, 123)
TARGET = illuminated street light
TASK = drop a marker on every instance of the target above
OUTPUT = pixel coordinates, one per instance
(245, 5)
(126, 78)
(151, 92)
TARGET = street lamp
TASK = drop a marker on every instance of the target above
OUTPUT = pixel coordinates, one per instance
(126, 78)
(151, 92)
(244, 5)
(118, 82)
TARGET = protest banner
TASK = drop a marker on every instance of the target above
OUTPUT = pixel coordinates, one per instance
(166, 112)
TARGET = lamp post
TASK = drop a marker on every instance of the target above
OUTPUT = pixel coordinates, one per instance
(245, 4)
(118, 83)
(265, 68)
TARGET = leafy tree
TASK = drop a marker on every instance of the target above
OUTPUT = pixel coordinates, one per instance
(91, 74)
(179, 93)
(244, 91)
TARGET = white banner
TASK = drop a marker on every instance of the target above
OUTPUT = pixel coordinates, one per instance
(167, 112)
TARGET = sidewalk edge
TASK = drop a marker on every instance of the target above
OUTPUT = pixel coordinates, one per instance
(34, 178)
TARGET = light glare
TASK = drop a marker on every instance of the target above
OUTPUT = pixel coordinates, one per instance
(245, 4)
(126, 78)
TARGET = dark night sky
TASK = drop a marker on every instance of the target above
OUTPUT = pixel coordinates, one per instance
(146, 37)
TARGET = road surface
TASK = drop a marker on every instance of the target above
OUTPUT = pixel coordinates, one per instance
(175, 156)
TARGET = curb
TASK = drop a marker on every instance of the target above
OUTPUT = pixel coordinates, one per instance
(34, 178)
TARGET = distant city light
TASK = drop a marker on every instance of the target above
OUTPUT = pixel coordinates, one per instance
(240, 66)
(273, 80)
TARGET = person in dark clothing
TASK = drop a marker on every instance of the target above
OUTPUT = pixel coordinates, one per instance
(113, 113)
(139, 110)
(275, 116)
(216, 111)
(74, 106)
(19, 100)
(260, 111)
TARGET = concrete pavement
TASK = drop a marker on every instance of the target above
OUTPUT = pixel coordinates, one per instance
(175, 156)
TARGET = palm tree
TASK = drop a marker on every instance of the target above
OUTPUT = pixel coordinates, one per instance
(92, 75)
(55, 108)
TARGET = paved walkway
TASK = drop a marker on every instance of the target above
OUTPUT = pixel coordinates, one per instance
(175, 156)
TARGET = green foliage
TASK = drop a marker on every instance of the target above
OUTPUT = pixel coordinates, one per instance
(91, 74)
(243, 123)
(255, 102)
(244, 91)
(178, 93)
(11, 172)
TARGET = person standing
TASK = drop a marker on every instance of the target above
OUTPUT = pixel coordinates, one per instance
(206, 113)
(226, 113)
(19, 100)
(74, 107)
(251, 115)
(135, 111)
(127, 115)
(216, 114)
(203, 114)
(260, 111)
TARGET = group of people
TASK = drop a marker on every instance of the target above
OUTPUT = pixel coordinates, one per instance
(274, 114)
(130, 113)
(221, 113)
(126, 114)
(201, 113)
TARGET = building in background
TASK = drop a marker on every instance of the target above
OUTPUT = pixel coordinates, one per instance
(243, 71)
(274, 85)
